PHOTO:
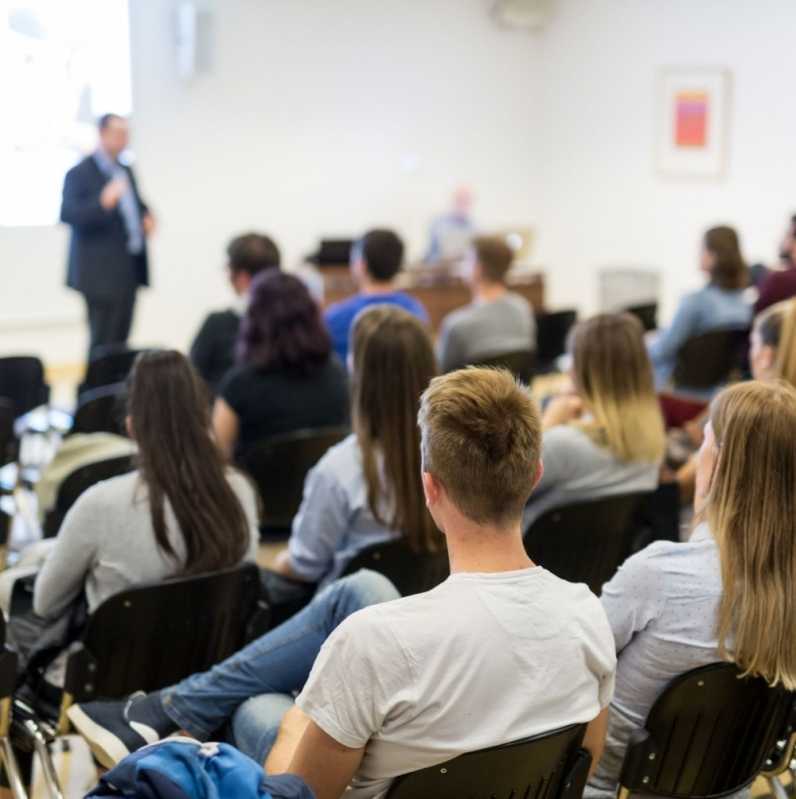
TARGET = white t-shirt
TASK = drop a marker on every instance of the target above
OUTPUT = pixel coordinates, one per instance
(481, 660)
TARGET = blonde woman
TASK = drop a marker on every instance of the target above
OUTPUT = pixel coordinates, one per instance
(730, 592)
(772, 352)
(608, 437)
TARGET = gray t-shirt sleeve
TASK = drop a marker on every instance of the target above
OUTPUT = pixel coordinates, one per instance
(64, 572)
(450, 352)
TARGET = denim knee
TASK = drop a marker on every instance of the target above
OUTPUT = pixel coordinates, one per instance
(255, 724)
(368, 587)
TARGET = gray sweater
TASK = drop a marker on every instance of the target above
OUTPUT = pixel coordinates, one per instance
(106, 544)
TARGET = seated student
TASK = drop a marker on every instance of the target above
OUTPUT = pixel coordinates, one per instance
(727, 594)
(719, 305)
(608, 437)
(287, 377)
(367, 488)
(500, 651)
(180, 513)
(497, 321)
(375, 262)
(780, 284)
(213, 349)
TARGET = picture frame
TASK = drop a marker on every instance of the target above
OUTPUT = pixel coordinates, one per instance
(693, 117)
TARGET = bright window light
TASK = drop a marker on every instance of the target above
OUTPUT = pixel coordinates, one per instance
(62, 64)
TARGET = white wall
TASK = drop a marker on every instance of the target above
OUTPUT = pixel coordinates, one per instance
(314, 112)
(604, 204)
(317, 118)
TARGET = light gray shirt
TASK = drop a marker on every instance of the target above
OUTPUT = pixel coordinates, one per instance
(334, 521)
(483, 329)
(578, 470)
(662, 606)
(107, 543)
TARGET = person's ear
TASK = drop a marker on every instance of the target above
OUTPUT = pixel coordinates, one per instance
(767, 357)
(431, 489)
(538, 476)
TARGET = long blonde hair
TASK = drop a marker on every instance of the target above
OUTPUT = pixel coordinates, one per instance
(751, 510)
(613, 375)
(776, 327)
(394, 362)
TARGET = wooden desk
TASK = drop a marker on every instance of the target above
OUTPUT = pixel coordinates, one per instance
(440, 294)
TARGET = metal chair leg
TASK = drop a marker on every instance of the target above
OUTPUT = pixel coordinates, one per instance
(15, 782)
(777, 788)
(42, 749)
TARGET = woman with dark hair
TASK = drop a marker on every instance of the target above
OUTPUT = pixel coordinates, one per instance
(719, 305)
(368, 487)
(287, 377)
(181, 513)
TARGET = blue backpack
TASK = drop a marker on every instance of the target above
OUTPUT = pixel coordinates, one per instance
(181, 768)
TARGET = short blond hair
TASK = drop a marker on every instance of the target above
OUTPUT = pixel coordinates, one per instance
(481, 438)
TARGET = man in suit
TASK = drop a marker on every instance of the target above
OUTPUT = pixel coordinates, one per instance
(110, 224)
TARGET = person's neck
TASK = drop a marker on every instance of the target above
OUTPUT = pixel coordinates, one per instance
(370, 286)
(488, 292)
(487, 549)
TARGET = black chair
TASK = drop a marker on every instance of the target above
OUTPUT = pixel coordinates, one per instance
(521, 363)
(552, 330)
(709, 734)
(111, 364)
(77, 482)
(8, 440)
(410, 572)
(549, 766)
(711, 359)
(22, 382)
(278, 465)
(586, 542)
(8, 682)
(101, 410)
(646, 314)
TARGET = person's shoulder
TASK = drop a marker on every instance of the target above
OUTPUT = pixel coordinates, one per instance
(458, 318)
(82, 167)
(341, 459)
(568, 437)
(110, 492)
(227, 317)
(411, 303)
(517, 301)
(344, 308)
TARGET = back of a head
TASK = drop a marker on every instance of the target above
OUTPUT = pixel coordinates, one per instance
(751, 507)
(777, 329)
(393, 362)
(383, 253)
(282, 329)
(252, 253)
(481, 438)
(179, 462)
(495, 257)
(613, 375)
(729, 270)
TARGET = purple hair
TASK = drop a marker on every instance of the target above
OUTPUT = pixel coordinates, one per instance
(282, 329)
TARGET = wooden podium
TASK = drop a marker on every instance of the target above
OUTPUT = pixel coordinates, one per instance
(439, 291)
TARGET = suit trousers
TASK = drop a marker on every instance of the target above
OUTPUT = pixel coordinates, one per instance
(109, 320)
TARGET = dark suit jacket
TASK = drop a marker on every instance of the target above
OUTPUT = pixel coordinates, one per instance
(99, 265)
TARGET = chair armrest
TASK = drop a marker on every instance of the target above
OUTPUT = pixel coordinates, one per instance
(576, 775)
(637, 766)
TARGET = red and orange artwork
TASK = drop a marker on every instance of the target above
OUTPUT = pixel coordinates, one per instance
(691, 119)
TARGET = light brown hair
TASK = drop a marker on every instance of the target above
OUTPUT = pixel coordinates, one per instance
(613, 375)
(393, 363)
(481, 439)
(777, 329)
(729, 270)
(750, 508)
(179, 462)
(494, 256)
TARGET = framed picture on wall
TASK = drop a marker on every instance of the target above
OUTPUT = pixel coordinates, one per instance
(693, 122)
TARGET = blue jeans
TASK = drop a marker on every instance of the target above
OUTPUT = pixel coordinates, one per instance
(278, 663)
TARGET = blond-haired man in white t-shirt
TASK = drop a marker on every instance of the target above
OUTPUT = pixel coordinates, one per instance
(500, 651)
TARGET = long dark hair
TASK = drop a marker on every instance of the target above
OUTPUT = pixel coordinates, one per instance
(729, 272)
(393, 365)
(282, 328)
(178, 461)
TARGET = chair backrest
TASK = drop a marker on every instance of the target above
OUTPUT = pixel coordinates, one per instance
(151, 636)
(410, 572)
(708, 360)
(586, 542)
(708, 734)
(548, 766)
(521, 363)
(552, 330)
(111, 365)
(646, 314)
(8, 440)
(279, 465)
(22, 382)
(101, 410)
(79, 481)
